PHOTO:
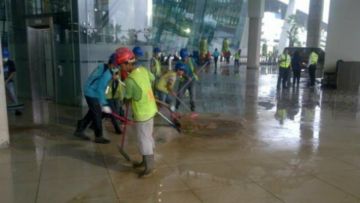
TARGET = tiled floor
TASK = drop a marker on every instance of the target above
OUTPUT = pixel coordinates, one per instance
(250, 143)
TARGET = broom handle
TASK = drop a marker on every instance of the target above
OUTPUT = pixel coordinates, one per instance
(124, 133)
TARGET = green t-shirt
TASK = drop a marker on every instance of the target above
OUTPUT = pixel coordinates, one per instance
(133, 91)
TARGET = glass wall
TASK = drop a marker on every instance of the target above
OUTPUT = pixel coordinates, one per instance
(54, 20)
(105, 25)
(84, 33)
(181, 23)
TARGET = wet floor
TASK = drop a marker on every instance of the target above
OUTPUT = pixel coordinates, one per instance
(249, 143)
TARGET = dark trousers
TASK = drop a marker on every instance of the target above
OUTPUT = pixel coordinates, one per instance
(190, 88)
(237, 63)
(312, 70)
(296, 78)
(94, 115)
(227, 59)
(283, 77)
(114, 105)
(164, 97)
(215, 62)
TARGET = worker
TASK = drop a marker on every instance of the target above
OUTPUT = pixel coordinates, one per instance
(155, 66)
(165, 86)
(284, 66)
(139, 53)
(139, 93)
(94, 91)
(296, 65)
(216, 55)
(9, 74)
(237, 61)
(187, 82)
(313, 60)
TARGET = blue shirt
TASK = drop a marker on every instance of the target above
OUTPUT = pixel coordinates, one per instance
(96, 84)
(296, 62)
(216, 54)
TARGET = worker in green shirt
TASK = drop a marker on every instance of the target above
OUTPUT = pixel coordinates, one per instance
(313, 60)
(139, 94)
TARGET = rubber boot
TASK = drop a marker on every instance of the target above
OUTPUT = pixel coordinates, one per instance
(149, 166)
(139, 164)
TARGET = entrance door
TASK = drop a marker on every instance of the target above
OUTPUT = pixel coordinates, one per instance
(42, 62)
(41, 67)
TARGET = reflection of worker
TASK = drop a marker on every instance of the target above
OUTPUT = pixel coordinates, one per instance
(284, 66)
(139, 93)
(293, 107)
(165, 86)
(9, 74)
(95, 89)
(281, 111)
(188, 81)
(313, 60)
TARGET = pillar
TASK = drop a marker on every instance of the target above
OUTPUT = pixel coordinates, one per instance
(343, 39)
(314, 23)
(255, 13)
(4, 127)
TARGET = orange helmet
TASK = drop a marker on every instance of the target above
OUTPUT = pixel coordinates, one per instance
(124, 55)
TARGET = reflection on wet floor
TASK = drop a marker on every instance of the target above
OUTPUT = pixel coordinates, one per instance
(250, 143)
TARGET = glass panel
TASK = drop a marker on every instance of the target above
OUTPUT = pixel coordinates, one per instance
(34, 7)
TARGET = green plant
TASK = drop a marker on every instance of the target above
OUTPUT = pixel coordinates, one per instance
(293, 33)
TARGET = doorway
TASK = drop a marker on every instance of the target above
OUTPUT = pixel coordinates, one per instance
(41, 67)
(41, 64)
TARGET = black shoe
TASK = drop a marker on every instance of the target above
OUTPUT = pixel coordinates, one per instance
(101, 140)
(18, 113)
(81, 135)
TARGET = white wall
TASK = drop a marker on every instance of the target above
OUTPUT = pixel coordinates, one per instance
(343, 40)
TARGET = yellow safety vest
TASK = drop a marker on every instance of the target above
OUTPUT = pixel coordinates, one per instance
(145, 108)
(157, 70)
(314, 57)
(237, 56)
(190, 63)
(162, 84)
(285, 61)
(119, 92)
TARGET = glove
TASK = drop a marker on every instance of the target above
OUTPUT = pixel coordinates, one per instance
(106, 109)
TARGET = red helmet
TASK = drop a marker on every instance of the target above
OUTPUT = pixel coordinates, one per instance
(123, 55)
